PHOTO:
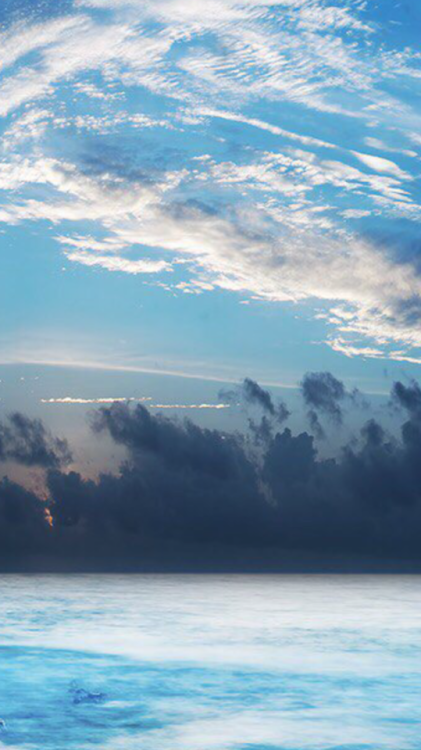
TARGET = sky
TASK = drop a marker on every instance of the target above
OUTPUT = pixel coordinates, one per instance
(200, 194)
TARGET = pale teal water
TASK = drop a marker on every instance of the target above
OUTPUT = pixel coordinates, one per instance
(210, 663)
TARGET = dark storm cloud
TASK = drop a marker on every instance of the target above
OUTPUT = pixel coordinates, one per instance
(195, 486)
(324, 395)
(252, 394)
(408, 397)
(194, 483)
(28, 442)
(190, 498)
(365, 503)
(323, 392)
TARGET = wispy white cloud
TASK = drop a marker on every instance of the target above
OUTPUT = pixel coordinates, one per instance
(22, 39)
(380, 164)
(71, 400)
(354, 350)
(108, 244)
(116, 263)
(260, 124)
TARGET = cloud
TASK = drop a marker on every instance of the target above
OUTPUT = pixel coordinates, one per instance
(255, 394)
(325, 395)
(20, 40)
(108, 244)
(190, 498)
(28, 442)
(260, 251)
(315, 424)
(115, 263)
(380, 164)
(260, 124)
(408, 397)
(350, 349)
(348, 506)
(323, 392)
(72, 400)
(252, 394)
(69, 400)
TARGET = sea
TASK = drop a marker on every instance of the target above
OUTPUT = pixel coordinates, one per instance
(203, 662)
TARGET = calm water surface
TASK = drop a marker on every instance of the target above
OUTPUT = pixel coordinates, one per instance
(210, 662)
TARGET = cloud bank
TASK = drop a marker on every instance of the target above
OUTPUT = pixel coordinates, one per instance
(192, 498)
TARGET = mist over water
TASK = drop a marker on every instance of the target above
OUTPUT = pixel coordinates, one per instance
(210, 662)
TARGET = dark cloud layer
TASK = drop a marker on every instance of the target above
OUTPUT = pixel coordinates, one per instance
(190, 498)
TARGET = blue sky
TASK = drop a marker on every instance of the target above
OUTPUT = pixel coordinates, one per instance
(209, 188)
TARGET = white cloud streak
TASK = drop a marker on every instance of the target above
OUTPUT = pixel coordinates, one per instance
(71, 400)
(118, 264)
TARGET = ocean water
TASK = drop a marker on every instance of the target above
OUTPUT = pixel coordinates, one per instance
(145, 662)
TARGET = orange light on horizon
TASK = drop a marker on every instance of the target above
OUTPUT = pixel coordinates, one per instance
(48, 517)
